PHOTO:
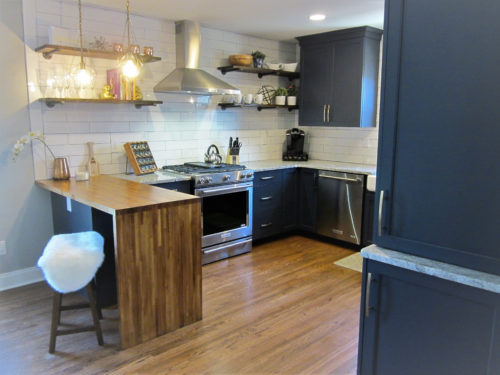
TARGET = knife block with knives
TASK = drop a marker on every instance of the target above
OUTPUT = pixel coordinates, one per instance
(233, 151)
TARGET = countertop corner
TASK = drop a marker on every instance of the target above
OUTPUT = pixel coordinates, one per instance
(267, 165)
(446, 271)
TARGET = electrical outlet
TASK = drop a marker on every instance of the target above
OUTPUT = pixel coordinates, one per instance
(3, 247)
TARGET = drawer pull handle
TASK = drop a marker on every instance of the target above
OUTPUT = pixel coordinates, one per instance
(367, 294)
(357, 180)
(266, 198)
(266, 225)
(267, 178)
(380, 211)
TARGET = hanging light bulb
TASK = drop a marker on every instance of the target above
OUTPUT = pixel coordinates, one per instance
(83, 77)
(130, 63)
(82, 74)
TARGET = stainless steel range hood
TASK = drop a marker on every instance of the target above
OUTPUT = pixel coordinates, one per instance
(187, 78)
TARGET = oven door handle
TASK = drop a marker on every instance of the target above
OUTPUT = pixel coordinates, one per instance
(229, 189)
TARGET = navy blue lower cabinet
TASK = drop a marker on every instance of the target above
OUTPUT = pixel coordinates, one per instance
(267, 204)
(415, 324)
(289, 193)
(307, 199)
(70, 216)
(180, 186)
(368, 213)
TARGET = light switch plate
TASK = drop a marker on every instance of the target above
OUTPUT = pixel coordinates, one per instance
(3, 247)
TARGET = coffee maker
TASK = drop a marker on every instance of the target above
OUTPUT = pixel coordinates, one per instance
(295, 145)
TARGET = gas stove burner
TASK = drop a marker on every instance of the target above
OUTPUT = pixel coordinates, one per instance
(216, 167)
(200, 167)
(205, 174)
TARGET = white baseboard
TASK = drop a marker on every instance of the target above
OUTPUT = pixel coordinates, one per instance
(21, 277)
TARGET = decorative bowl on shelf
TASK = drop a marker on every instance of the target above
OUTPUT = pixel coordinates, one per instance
(244, 60)
(291, 67)
(272, 66)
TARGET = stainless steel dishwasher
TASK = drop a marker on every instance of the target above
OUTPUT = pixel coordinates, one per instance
(340, 208)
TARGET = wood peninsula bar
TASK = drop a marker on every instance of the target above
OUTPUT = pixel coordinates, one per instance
(156, 238)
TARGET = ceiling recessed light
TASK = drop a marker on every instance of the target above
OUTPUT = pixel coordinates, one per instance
(317, 17)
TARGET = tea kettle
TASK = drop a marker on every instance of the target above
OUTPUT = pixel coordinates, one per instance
(213, 156)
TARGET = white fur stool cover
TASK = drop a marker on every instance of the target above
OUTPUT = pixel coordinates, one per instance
(70, 261)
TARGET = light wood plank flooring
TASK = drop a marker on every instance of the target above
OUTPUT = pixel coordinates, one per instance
(285, 308)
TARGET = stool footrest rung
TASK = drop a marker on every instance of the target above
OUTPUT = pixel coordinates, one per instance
(74, 330)
(56, 318)
(75, 307)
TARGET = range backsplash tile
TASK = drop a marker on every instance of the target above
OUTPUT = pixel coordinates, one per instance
(182, 127)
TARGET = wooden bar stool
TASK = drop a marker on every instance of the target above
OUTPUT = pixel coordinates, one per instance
(69, 263)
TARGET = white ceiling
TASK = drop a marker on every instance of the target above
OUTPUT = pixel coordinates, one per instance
(271, 19)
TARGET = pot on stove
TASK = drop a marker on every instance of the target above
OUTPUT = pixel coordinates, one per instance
(212, 155)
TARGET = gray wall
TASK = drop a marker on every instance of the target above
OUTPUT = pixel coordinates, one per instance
(25, 212)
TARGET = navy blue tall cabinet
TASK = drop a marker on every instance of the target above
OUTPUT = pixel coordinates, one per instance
(438, 180)
(438, 191)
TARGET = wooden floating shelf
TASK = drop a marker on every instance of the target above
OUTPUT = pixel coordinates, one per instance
(261, 72)
(259, 107)
(51, 49)
(51, 102)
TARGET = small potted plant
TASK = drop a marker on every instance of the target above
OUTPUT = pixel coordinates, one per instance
(280, 96)
(258, 59)
(291, 99)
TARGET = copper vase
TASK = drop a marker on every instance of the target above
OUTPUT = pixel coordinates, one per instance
(61, 169)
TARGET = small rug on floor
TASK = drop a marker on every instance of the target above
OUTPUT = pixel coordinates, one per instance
(353, 262)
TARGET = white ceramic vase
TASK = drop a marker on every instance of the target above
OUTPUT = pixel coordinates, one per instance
(291, 100)
(279, 100)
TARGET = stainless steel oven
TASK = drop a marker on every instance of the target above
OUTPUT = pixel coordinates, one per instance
(226, 220)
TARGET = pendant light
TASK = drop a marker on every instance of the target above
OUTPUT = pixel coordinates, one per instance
(83, 75)
(130, 63)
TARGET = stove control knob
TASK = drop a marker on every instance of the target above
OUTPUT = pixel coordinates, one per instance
(209, 179)
(250, 174)
(226, 177)
(202, 180)
(242, 176)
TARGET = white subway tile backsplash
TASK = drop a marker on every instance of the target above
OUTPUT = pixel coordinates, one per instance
(109, 127)
(56, 139)
(182, 128)
(75, 139)
(112, 168)
(147, 126)
(66, 127)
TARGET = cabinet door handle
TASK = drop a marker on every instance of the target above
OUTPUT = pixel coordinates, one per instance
(324, 112)
(380, 211)
(266, 198)
(267, 178)
(367, 294)
(328, 114)
(266, 225)
(357, 180)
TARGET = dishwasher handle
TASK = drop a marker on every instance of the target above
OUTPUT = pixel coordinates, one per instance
(347, 179)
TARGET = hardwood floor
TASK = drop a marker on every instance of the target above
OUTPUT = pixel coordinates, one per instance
(285, 308)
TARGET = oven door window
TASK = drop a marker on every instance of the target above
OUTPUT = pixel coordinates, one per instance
(224, 212)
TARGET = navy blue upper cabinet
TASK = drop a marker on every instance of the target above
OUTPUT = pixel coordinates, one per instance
(339, 75)
(438, 180)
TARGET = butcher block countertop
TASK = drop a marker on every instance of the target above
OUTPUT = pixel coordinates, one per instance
(156, 244)
(111, 194)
